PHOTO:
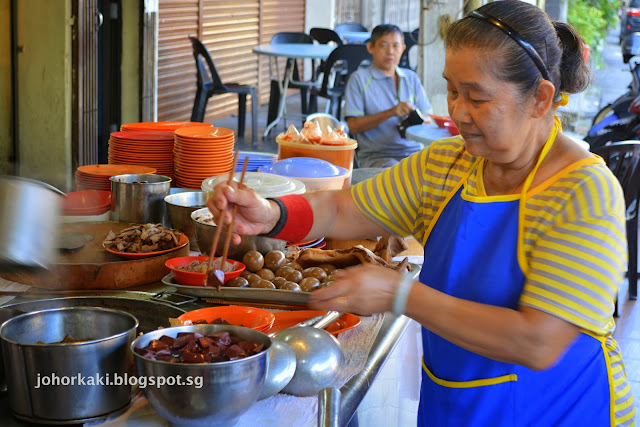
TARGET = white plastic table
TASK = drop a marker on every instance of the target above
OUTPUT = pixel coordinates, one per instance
(355, 37)
(293, 51)
(427, 133)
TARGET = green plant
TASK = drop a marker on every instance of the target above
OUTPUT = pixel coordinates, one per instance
(593, 19)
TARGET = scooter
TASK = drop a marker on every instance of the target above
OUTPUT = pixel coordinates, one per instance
(615, 121)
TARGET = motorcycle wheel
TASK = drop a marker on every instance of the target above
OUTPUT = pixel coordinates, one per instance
(609, 137)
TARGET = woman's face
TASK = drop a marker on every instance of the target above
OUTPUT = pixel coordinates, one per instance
(489, 113)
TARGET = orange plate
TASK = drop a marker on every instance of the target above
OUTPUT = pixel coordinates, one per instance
(183, 241)
(286, 319)
(111, 170)
(199, 132)
(160, 126)
(249, 317)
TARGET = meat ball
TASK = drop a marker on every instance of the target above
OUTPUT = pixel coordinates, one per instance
(327, 267)
(291, 286)
(282, 271)
(263, 284)
(316, 272)
(245, 273)
(252, 277)
(293, 276)
(238, 282)
(294, 265)
(266, 274)
(279, 281)
(309, 284)
(253, 260)
(274, 260)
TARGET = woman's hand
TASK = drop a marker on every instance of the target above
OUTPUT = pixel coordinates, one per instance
(363, 289)
(255, 214)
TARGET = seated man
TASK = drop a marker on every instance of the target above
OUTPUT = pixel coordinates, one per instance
(379, 97)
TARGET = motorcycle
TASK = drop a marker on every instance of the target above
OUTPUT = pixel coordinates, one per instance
(616, 121)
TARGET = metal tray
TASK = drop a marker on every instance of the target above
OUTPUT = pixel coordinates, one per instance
(252, 294)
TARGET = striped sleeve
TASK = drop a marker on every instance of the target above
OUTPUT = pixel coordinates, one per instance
(392, 198)
(577, 262)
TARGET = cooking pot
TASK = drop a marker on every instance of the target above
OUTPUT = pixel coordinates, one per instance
(150, 314)
(139, 198)
(52, 382)
(29, 216)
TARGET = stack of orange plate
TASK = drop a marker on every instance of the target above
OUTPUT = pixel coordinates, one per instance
(153, 149)
(96, 177)
(200, 153)
(160, 126)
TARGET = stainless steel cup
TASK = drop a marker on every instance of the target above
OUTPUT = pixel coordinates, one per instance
(61, 382)
(139, 198)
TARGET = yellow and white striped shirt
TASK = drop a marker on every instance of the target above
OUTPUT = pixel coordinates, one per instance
(573, 235)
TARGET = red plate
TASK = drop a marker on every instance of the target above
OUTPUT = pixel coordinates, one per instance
(198, 132)
(192, 278)
(112, 170)
(160, 126)
(143, 135)
(182, 242)
(286, 319)
(249, 317)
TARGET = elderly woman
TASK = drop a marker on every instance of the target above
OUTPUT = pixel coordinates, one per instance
(523, 233)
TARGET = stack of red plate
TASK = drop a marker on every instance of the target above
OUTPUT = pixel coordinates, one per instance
(200, 153)
(96, 177)
(87, 202)
(160, 126)
(144, 148)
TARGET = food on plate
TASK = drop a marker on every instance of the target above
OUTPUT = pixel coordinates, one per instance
(382, 255)
(309, 284)
(197, 266)
(262, 283)
(279, 281)
(143, 238)
(329, 267)
(290, 286)
(193, 347)
(311, 133)
(294, 265)
(274, 260)
(294, 276)
(253, 260)
(238, 282)
(218, 321)
(316, 272)
(266, 274)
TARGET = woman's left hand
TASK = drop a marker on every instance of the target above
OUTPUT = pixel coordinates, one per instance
(363, 289)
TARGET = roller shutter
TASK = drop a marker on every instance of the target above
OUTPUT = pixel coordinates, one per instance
(229, 29)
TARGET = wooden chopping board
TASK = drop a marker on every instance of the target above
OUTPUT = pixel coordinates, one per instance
(92, 267)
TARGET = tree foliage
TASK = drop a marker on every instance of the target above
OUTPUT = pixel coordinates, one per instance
(593, 19)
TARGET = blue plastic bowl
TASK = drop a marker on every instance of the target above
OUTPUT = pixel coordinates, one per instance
(304, 167)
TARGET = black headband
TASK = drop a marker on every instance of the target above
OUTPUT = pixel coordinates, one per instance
(531, 51)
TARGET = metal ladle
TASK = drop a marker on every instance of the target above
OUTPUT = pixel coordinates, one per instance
(303, 359)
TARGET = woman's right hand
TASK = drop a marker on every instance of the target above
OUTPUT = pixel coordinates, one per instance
(255, 214)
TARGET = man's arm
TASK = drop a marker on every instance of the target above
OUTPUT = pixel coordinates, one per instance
(364, 123)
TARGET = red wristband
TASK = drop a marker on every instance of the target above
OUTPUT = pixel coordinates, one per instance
(296, 219)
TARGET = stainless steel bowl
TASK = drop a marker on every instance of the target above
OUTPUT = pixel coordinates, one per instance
(180, 206)
(228, 388)
(50, 382)
(205, 231)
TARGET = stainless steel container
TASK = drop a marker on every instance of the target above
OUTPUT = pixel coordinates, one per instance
(45, 381)
(139, 198)
(204, 236)
(228, 389)
(180, 206)
(29, 217)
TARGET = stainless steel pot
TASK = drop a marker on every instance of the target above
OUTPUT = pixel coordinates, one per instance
(139, 198)
(150, 314)
(45, 381)
(29, 217)
(180, 206)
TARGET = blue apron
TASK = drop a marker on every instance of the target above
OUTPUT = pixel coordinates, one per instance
(471, 253)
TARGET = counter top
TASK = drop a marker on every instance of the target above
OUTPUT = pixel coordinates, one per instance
(353, 391)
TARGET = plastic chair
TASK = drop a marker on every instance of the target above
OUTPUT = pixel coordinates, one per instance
(349, 28)
(210, 84)
(410, 39)
(349, 56)
(295, 83)
(325, 36)
(623, 158)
